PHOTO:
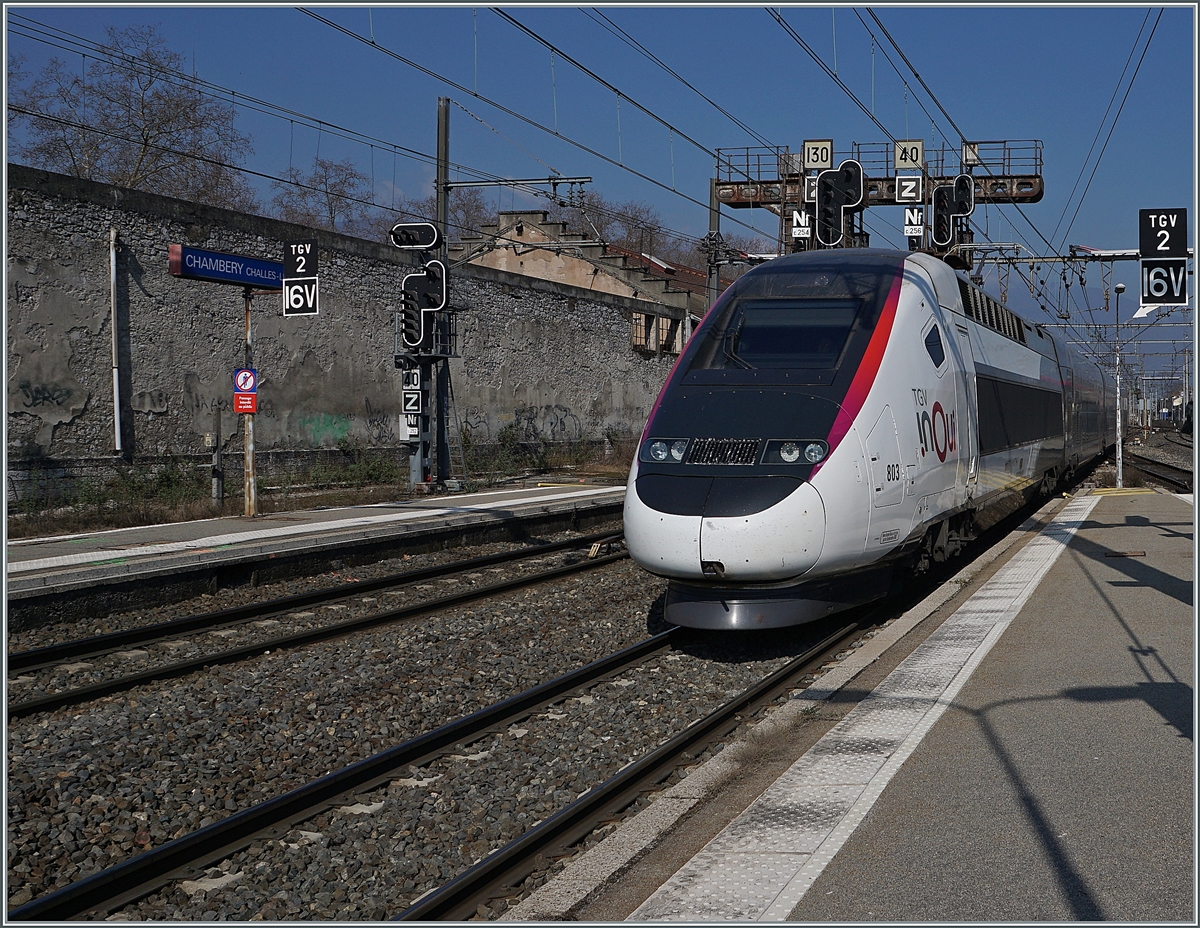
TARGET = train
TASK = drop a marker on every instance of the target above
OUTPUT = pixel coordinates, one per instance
(842, 419)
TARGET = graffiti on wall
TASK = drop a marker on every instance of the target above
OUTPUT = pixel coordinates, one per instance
(47, 398)
(149, 401)
(475, 424)
(379, 426)
(551, 423)
(324, 427)
(44, 394)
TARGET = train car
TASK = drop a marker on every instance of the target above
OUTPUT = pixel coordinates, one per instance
(841, 415)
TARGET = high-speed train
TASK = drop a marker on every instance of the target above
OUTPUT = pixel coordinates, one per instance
(841, 415)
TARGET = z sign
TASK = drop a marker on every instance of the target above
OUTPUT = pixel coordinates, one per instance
(908, 189)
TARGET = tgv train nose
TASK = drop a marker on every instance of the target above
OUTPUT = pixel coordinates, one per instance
(724, 528)
(777, 543)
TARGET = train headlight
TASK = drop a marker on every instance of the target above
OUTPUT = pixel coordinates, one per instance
(665, 450)
(798, 451)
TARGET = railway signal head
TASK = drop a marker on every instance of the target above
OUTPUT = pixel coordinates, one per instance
(949, 201)
(413, 320)
(838, 190)
(941, 229)
(416, 236)
(964, 195)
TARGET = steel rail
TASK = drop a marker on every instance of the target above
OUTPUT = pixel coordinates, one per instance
(1178, 477)
(102, 644)
(506, 867)
(167, 671)
(131, 879)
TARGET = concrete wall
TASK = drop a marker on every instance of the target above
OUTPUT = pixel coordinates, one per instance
(552, 358)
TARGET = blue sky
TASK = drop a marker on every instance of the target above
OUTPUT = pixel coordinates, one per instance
(1002, 72)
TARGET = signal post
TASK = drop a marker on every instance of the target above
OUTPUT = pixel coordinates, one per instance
(421, 340)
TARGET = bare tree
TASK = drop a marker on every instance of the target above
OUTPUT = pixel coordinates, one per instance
(334, 195)
(134, 118)
(468, 211)
(634, 225)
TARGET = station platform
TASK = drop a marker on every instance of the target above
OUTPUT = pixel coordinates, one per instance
(183, 553)
(1018, 748)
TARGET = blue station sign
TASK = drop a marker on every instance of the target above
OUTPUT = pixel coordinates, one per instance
(218, 268)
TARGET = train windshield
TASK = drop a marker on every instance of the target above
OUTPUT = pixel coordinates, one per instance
(798, 317)
(789, 333)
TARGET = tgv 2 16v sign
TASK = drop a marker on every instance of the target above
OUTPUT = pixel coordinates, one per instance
(1162, 244)
(300, 292)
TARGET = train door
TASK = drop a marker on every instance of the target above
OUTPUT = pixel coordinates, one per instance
(887, 472)
(969, 434)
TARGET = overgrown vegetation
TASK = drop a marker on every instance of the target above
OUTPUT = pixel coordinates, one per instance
(51, 502)
(511, 456)
(180, 489)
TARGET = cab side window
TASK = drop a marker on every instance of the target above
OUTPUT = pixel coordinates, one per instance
(933, 345)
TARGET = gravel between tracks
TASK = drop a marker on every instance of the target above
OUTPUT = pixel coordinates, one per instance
(52, 633)
(90, 788)
(1166, 448)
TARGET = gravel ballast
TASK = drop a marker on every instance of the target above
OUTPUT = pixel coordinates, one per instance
(96, 785)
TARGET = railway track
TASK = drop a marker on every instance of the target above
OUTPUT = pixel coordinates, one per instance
(499, 875)
(109, 889)
(92, 647)
(104, 891)
(498, 872)
(1178, 478)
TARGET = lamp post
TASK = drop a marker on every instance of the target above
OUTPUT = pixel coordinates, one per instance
(1120, 288)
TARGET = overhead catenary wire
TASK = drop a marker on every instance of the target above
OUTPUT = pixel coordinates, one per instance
(217, 162)
(833, 76)
(513, 113)
(1112, 127)
(554, 49)
(67, 41)
(637, 46)
(942, 109)
(62, 39)
(795, 36)
(934, 127)
(217, 91)
(1100, 128)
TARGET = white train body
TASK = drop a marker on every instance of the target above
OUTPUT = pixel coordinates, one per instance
(839, 413)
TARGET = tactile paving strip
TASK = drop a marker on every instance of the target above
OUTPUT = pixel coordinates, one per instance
(762, 863)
